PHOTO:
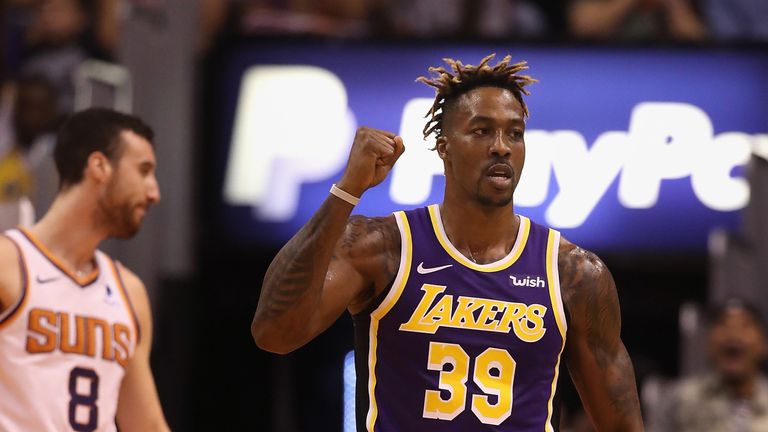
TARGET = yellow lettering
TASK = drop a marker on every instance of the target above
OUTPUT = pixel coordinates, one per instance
(487, 319)
(416, 322)
(511, 317)
(464, 314)
(440, 314)
(534, 315)
(433, 312)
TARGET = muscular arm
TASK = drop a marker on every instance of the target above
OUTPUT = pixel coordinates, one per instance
(333, 262)
(316, 276)
(596, 357)
(138, 407)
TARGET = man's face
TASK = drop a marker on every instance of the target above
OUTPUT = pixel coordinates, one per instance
(132, 187)
(60, 21)
(736, 344)
(482, 145)
(34, 113)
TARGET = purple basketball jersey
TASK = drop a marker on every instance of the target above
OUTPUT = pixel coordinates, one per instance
(459, 346)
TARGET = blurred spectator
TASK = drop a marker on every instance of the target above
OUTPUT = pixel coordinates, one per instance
(484, 19)
(734, 396)
(636, 20)
(488, 19)
(64, 33)
(54, 45)
(336, 18)
(26, 164)
(737, 20)
(15, 16)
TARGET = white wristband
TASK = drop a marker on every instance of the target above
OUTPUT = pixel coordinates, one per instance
(346, 196)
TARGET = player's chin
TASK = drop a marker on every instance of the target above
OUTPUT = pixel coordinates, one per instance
(495, 200)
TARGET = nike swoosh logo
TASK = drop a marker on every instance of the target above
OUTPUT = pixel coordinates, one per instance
(46, 280)
(427, 270)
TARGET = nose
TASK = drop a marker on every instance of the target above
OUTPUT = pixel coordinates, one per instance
(499, 147)
(153, 191)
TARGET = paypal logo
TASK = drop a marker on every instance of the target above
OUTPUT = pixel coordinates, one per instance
(528, 281)
(293, 126)
(665, 140)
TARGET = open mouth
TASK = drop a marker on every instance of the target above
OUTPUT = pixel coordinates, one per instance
(500, 174)
(733, 351)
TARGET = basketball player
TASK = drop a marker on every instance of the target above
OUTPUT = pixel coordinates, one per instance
(75, 326)
(462, 310)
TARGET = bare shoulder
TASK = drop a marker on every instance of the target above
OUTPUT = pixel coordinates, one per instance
(10, 273)
(370, 237)
(581, 270)
(371, 246)
(132, 281)
(589, 292)
(136, 290)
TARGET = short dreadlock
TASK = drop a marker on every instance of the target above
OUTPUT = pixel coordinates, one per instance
(463, 78)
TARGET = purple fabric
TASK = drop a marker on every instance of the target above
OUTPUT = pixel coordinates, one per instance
(402, 376)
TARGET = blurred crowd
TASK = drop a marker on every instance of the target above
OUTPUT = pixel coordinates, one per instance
(512, 20)
(42, 45)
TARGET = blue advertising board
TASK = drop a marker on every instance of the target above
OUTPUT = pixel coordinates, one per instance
(627, 149)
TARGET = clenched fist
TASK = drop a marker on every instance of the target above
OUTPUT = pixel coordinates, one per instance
(373, 154)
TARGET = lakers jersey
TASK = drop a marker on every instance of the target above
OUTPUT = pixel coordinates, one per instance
(64, 346)
(459, 346)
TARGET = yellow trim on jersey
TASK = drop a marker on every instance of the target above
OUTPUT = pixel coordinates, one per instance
(514, 254)
(82, 281)
(21, 303)
(126, 300)
(406, 253)
(553, 275)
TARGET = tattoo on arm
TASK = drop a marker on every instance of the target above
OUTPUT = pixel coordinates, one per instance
(602, 318)
(290, 274)
(623, 391)
(288, 285)
(294, 270)
(603, 370)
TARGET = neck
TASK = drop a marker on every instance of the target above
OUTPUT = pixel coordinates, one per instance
(482, 233)
(70, 229)
(741, 388)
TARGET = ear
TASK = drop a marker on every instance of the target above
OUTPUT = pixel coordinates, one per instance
(98, 167)
(441, 147)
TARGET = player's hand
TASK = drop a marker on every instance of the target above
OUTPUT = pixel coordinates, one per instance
(373, 154)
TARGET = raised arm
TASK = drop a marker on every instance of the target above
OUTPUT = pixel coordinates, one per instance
(596, 357)
(333, 262)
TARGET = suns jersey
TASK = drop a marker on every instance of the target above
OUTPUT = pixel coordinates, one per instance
(64, 346)
(459, 346)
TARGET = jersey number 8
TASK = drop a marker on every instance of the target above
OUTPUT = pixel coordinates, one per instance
(85, 400)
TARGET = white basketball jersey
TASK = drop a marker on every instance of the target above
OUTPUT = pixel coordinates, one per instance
(65, 344)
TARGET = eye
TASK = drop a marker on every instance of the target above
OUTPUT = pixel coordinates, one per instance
(146, 169)
(517, 134)
(481, 131)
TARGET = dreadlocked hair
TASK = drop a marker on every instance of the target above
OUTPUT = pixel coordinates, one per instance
(461, 78)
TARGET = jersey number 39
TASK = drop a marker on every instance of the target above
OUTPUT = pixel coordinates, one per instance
(494, 373)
